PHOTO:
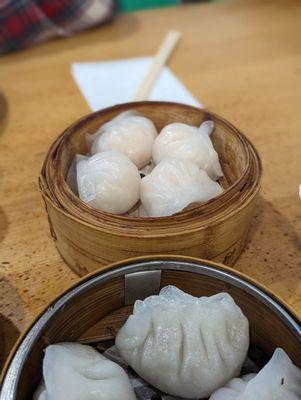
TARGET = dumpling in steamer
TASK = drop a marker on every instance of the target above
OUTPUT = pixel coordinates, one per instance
(183, 345)
(77, 372)
(174, 184)
(189, 143)
(40, 393)
(233, 388)
(131, 134)
(280, 379)
(108, 181)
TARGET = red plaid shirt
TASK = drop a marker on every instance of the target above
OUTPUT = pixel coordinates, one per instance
(24, 22)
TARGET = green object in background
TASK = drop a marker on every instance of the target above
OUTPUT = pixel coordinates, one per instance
(132, 5)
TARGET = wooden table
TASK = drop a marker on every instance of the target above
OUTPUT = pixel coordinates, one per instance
(240, 58)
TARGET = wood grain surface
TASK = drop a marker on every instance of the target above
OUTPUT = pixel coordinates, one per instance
(240, 58)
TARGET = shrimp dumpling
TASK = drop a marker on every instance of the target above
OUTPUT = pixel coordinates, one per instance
(131, 134)
(40, 393)
(233, 389)
(278, 380)
(189, 143)
(174, 184)
(183, 345)
(78, 372)
(108, 181)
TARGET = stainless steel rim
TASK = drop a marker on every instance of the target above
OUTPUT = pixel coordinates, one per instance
(12, 376)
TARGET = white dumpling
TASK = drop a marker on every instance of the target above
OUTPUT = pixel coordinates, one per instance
(40, 393)
(108, 181)
(233, 389)
(183, 345)
(131, 134)
(189, 143)
(77, 372)
(174, 184)
(280, 379)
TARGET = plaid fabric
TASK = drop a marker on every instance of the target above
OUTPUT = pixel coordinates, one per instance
(24, 22)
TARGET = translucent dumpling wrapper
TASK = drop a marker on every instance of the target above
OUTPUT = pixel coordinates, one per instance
(280, 379)
(174, 184)
(189, 143)
(108, 181)
(130, 133)
(142, 212)
(183, 345)
(40, 393)
(233, 389)
(77, 372)
(72, 174)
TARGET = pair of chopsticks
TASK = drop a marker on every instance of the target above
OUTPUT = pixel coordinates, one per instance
(163, 54)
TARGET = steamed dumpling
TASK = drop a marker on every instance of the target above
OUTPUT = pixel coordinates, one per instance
(77, 372)
(188, 143)
(280, 379)
(40, 393)
(108, 181)
(131, 134)
(233, 389)
(183, 345)
(174, 184)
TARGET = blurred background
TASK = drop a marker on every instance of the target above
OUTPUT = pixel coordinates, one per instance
(26, 22)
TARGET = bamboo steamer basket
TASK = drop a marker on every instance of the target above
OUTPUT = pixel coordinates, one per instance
(97, 306)
(87, 238)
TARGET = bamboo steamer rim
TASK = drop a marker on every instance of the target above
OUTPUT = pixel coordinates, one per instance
(173, 231)
(193, 219)
(136, 260)
(169, 229)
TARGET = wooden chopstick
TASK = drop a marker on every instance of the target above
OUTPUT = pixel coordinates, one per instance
(164, 52)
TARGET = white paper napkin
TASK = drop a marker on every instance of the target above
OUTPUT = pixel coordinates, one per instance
(107, 83)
